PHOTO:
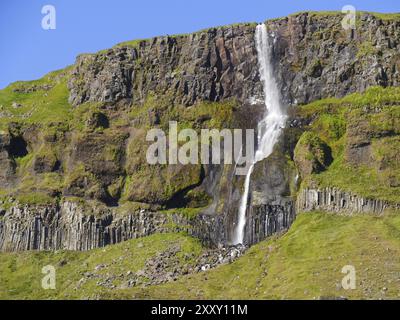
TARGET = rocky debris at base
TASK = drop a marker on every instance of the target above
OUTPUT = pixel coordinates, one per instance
(165, 266)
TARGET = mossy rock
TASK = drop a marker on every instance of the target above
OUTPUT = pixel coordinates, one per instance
(312, 154)
(96, 120)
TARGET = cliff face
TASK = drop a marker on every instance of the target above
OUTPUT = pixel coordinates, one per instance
(212, 65)
(317, 58)
(80, 133)
(71, 226)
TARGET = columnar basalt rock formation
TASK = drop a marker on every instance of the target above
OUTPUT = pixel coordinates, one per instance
(70, 226)
(335, 200)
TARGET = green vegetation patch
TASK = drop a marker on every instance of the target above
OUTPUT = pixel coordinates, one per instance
(41, 101)
(361, 130)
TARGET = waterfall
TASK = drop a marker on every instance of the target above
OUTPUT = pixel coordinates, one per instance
(270, 127)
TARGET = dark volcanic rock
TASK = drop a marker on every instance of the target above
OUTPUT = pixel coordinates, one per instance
(316, 58)
(210, 65)
(72, 226)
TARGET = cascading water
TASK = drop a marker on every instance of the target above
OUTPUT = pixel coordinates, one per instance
(270, 127)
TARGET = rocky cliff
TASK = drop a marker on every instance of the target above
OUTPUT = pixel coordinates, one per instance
(316, 58)
(79, 133)
(72, 226)
(212, 65)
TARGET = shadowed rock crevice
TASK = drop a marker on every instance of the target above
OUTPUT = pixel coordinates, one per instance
(17, 147)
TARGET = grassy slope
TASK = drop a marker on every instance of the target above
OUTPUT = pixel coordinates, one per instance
(40, 106)
(331, 118)
(304, 263)
(20, 273)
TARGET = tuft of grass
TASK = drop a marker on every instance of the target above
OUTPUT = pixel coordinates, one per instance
(386, 16)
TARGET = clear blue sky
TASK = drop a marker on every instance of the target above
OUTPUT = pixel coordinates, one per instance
(28, 52)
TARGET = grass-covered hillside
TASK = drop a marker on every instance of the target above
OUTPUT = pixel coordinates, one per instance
(304, 263)
(352, 143)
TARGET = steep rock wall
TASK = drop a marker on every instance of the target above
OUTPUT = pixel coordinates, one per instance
(211, 65)
(316, 58)
(69, 226)
(264, 220)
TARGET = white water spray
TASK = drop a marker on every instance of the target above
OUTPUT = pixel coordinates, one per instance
(270, 127)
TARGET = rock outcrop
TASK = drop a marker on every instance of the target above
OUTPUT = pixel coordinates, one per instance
(71, 226)
(335, 200)
(211, 65)
(264, 220)
(316, 58)
(7, 163)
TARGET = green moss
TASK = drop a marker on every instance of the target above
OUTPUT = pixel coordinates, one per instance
(35, 198)
(330, 126)
(188, 213)
(25, 161)
(311, 153)
(366, 49)
(81, 113)
(77, 173)
(363, 180)
(373, 97)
